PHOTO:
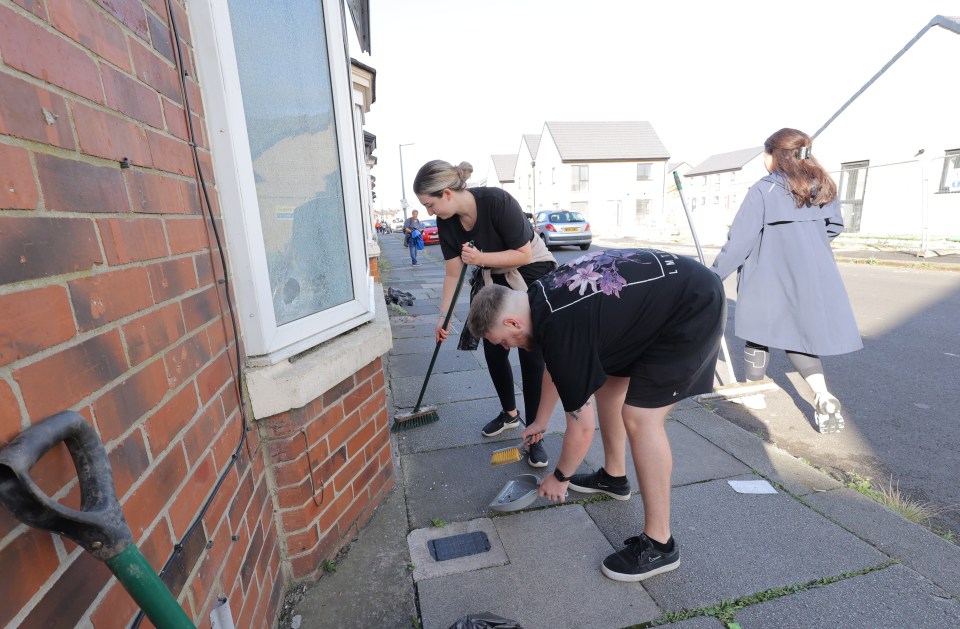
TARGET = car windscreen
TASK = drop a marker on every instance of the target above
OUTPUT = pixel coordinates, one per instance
(429, 223)
(566, 217)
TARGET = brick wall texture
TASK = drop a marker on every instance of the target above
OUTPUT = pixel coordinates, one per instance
(110, 306)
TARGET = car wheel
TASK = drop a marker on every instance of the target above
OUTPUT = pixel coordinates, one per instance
(584, 247)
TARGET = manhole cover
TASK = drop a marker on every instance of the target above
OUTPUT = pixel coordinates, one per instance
(456, 546)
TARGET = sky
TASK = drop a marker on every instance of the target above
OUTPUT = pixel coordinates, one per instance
(461, 80)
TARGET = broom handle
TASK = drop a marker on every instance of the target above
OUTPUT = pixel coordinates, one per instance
(436, 350)
(696, 241)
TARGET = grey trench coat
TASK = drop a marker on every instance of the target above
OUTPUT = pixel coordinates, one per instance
(789, 291)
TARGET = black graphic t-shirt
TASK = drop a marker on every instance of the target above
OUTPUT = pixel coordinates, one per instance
(607, 310)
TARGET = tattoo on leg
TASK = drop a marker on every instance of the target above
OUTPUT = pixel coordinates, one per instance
(575, 414)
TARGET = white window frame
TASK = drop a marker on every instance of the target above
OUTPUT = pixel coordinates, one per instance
(648, 175)
(265, 341)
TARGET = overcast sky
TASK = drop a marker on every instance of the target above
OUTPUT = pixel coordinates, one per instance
(465, 79)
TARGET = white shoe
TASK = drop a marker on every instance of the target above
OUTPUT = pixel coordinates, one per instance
(826, 414)
(756, 402)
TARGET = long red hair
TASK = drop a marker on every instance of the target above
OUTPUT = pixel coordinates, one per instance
(809, 182)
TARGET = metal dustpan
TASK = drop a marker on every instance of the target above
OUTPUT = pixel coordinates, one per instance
(519, 493)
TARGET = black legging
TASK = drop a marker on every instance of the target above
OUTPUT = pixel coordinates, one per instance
(531, 362)
(531, 371)
(756, 357)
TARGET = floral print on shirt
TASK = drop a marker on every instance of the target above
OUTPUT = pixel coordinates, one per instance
(597, 272)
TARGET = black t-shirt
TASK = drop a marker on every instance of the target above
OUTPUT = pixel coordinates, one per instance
(500, 226)
(607, 310)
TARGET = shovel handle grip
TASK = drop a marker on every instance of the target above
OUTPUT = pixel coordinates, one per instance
(98, 526)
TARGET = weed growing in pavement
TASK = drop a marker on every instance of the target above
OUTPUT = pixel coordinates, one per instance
(948, 535)
(891, 497)
(410, 566)
(330, 566)
(415, 622)
(726, 610)
(872, 261)
(397, 308)
(438, 523)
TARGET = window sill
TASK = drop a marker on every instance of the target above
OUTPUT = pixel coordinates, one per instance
(297, 381)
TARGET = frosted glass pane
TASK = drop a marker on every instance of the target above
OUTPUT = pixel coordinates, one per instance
(288, 103)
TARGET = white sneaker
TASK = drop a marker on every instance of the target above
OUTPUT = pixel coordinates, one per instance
(756, 402)
(827, 414)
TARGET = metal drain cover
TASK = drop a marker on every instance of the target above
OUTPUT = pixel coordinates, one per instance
(456, 546)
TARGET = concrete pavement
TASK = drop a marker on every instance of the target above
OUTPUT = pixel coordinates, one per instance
(813, 554)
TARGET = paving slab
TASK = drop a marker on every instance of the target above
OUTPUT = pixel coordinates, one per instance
(552, 580)
(458, 484)
(460, 424)
(410, 346)
(737, 544)
(443, 388)
(426, 567)
(694, 458)
(914, 546)
(796, 476)
(448, 360)
(893, 597)
(422, 330)
(347, 597)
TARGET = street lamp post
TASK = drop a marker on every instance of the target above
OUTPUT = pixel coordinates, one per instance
(403, 187)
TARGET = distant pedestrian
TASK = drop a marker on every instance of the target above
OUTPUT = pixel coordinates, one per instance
(505, 252)
(411, 224)
(789, 292)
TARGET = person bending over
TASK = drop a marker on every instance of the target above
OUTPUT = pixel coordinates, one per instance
(639, 330)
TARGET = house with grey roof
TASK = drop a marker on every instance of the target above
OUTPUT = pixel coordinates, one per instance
(715, 187)
(611, 172)
(523, 172)
(501, 172)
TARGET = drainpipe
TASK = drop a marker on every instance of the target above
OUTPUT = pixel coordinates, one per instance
(533, 167)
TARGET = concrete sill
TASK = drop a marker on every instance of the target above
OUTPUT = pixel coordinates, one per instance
(297, 381)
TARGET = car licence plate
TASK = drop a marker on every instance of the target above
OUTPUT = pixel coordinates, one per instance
(571, 229)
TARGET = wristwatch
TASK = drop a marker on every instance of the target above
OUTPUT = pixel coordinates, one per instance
(559, 475)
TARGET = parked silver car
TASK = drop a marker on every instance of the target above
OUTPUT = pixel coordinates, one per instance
(562, 227)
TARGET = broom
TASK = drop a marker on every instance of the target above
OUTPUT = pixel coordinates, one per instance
(428, 414)
(734, 389)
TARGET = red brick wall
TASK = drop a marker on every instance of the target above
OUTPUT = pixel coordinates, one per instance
(342, 440)
(109, 305)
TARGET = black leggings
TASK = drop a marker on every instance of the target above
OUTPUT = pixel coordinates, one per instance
(531, 372)
(756, 357)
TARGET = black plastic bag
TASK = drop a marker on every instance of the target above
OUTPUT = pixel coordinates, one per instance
(485, 620)
(399, 297)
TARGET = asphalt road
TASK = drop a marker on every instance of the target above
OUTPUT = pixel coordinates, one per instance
(901, 393)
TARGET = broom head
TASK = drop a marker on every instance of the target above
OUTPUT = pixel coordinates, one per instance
(415, 419)
(505, 456)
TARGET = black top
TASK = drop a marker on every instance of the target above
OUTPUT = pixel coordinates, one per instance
(500, 226)
(607, 310)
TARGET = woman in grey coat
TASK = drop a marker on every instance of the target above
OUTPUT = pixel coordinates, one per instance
(789, 291)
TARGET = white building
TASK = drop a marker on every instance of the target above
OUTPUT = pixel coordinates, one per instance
(894, 147)
(500, 172)
(611, 172)
(714, 189)
(523, 172)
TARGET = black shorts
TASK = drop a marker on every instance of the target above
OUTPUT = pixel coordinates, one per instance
(659, 383)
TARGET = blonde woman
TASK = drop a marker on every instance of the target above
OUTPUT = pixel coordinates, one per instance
(505, 252)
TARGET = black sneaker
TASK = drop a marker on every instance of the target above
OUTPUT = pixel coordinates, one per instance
(501, 423)
(595, 484)
(537, 455)
(640, 560)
